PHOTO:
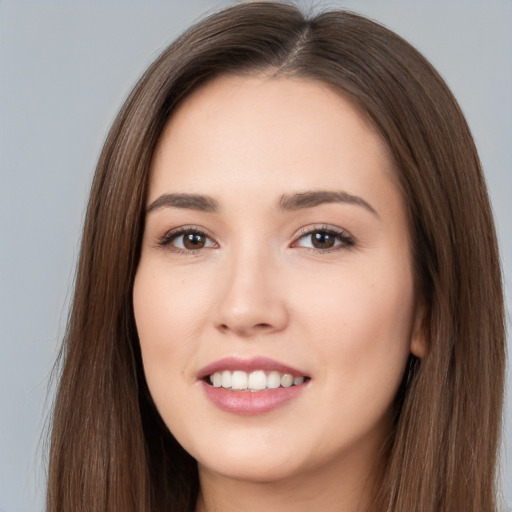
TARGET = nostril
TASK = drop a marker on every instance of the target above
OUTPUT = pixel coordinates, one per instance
(245, 329)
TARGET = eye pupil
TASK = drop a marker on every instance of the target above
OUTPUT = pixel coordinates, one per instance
(322, 240)
(194, 241)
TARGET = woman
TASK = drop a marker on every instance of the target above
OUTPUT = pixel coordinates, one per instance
(289, 292)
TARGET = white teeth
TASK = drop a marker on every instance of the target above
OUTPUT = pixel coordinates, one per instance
(216, 380)
(239, 381)
(226, 379)
(286, 380)
(273, 380)
(255, 381)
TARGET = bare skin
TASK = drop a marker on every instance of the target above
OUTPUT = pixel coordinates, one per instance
(275, 230)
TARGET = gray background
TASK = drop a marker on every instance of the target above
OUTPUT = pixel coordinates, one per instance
(65, 68)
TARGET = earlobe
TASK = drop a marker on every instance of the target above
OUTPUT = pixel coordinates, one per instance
(419, 343)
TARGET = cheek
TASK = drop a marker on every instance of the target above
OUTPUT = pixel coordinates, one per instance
(363, 329)
(361, 318)
(169, 313)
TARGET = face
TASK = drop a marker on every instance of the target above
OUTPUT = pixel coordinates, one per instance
(274, 297)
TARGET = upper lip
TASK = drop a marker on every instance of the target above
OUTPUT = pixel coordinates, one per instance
(248, 365)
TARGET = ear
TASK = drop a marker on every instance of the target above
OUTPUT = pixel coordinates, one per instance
(419, 343)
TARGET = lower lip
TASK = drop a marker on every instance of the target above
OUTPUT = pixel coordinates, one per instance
(251, 402)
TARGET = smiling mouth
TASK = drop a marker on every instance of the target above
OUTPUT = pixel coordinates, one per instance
(258, 380)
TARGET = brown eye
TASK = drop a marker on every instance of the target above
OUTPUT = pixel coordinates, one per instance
(187, 240)
(193, 241)
(322, 240)
(325, 239)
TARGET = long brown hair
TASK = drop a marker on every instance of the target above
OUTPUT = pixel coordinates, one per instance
(110, 450)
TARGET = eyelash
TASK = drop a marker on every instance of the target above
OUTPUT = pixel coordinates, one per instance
(346, 241)
(171, 236)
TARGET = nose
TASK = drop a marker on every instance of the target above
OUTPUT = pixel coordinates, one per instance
(252, 298)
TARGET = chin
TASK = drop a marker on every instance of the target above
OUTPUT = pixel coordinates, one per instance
(261, 460)
(249, 470)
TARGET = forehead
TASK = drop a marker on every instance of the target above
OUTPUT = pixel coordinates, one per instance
(268, 134)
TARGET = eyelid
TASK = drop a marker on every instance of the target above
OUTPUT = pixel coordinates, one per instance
(347, 240)
(165, 241)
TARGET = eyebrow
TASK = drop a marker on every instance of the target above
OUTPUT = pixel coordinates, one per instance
(187, 201)
(311, 199)
(292, 202)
